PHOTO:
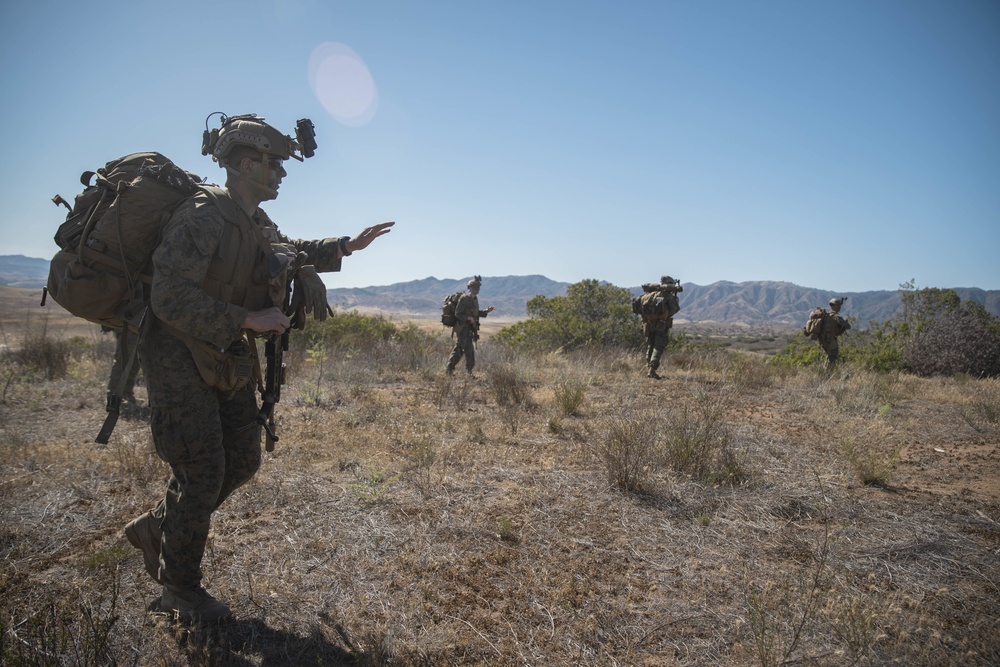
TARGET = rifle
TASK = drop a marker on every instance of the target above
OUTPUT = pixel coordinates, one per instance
(274, 352)
(274, 376)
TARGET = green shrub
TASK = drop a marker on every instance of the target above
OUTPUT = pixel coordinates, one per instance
(799, 351)
(934, 333)
(591, 313)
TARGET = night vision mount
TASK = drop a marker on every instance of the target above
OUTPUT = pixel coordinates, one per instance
(218, 141)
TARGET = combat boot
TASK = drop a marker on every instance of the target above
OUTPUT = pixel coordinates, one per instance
(193, 605)
(653, 374)
(144, 533)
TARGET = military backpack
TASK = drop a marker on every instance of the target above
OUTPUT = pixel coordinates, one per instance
(448, 317)
(658, 304)
(816, 324)
(106, 246)
(110, 233)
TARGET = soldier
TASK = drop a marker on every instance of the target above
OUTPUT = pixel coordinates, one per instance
(466, 329)
(220, 274)
(833, 326)
(659, 306)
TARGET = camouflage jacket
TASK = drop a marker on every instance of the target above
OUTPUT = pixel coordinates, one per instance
(212, 267)
(468, 306)
(834, 325)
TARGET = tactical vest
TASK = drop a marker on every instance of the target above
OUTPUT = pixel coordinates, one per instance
(249, 267)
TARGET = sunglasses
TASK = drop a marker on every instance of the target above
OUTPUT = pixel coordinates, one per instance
(274, 163)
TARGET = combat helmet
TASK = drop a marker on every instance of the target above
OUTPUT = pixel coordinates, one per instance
(476, 282)
(836, 302)
(667, 280)
(251, 130)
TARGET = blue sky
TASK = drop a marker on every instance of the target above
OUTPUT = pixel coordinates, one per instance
(847, 145)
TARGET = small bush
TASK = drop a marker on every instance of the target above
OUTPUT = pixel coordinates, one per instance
(570, 395)
(871, 464)
(46, 355)
(510, 388)
(629, 449)
(697, 442)
(65, 632)
(962, 343)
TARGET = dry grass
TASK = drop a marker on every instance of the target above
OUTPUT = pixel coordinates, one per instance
(555, 511)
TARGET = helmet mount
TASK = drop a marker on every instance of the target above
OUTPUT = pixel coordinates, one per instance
(251, 130)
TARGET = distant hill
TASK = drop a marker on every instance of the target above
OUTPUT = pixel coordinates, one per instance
(423, 298)
(21, 271)
(756, 303)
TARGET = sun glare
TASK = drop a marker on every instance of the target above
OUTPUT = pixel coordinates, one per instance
(342, 83)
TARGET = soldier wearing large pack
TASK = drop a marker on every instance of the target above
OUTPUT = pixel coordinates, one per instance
(657, 306)
(466, 327)
(826, 327)
(221, 276)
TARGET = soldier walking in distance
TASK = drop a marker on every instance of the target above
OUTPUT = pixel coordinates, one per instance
(659, 304)
(221, 275)
(832, 328)
(466, 329)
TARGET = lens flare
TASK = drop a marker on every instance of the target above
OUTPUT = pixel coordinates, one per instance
(342, 83)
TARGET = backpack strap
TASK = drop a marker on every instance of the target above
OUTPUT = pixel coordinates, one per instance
(130, 356)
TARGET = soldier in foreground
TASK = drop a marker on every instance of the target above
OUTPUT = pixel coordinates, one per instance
(658, 306)
(221, 275)
(466, 329)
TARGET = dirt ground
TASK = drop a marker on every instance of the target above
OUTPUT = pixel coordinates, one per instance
(406, 518)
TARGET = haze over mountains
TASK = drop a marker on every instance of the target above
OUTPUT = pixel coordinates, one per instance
(756, 303)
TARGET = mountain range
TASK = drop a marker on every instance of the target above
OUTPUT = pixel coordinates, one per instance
(754, 303)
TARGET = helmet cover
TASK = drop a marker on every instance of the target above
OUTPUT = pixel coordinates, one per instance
(251, 130)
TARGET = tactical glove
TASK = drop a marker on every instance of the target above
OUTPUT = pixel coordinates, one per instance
(309, 296)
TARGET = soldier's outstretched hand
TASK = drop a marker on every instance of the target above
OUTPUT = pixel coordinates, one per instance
(364, 239)
(490, 309)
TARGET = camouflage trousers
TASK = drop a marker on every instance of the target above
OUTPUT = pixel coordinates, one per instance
(656, 342)
(466, 346)
(211, 442)
(832, 349)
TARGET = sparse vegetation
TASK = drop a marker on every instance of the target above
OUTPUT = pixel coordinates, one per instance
(591, 313)
(560, 509)
(570, 395)
(934, 333)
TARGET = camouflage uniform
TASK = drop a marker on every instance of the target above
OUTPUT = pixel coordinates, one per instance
(833, 326)
(657, 333)
(656, 328)
(209, 271)
(466, 334)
